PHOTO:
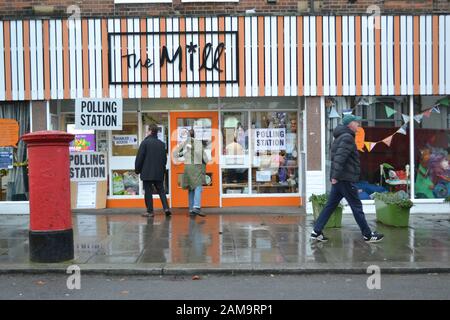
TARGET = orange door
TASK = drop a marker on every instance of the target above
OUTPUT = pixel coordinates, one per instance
(206, 127)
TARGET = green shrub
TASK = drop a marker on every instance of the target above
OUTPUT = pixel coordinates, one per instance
(447, 199)
(394, 198)
(321, 199)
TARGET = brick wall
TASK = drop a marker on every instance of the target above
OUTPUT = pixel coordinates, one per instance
(102, 8)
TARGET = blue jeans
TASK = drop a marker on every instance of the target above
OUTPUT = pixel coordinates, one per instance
(347, 190)
(195, 198)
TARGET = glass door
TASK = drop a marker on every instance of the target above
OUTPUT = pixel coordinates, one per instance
(205, 125)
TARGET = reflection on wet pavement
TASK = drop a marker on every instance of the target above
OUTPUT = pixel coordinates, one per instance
(227, 239)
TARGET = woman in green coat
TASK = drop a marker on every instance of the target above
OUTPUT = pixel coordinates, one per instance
(194, 175)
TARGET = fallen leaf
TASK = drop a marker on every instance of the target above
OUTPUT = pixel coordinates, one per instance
(124, 292)
(195, 278)
(40, 283)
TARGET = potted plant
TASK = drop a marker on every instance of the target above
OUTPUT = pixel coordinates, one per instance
(318, 203)
(392, 208)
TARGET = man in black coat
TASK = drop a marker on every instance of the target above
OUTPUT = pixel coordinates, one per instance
(150, 163)
(344, 173)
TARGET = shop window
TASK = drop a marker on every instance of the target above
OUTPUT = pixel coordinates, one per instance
(382, 141)
(125, 142)
(235, 159)
(432, 147)
(15, 119)
(274, 152)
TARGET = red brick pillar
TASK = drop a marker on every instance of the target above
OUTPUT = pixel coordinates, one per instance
(51, 235)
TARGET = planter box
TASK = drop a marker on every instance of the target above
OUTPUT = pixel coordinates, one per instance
(335, 220)
(391, 215)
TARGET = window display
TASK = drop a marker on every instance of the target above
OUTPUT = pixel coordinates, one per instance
(235, 152)
(432, 147)
(382, 140)
(14, 170)
(274, 152)
(125, 183)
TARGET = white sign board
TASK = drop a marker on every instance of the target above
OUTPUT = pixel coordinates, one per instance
(125, 140)
(88, 166)
(200, 133)
(272, 139)
(87, 195)
(99, 114)
(182, 134)
(263, 176)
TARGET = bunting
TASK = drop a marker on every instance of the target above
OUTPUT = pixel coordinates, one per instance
(388, 140)
(389, 111)
(427, 113)
(370, 145)
(333, 113)
(418, 117)
(445, 101)
(402, 130)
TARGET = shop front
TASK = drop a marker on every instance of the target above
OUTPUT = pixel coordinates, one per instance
(254, 147)
(263, 93)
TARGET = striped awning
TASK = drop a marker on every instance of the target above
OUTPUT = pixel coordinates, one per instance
(260, 56)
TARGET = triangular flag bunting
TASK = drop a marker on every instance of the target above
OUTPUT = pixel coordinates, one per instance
(388, 140)
(389, 111)
(333, 113)
(405, 118)
(427, 113)
(436, 109)
(418, 117)
(445, 101)
(402, 130)
(369, 145)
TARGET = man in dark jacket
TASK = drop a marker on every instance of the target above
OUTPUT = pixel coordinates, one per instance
(150, 163)
(345, 170)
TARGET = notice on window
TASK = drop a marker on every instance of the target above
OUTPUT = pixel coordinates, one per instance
(263, 176)
(6, 158)
(9, 132)
(99, 114)
(88, 166)
(271, 139)
(125, 140)
(87, 195)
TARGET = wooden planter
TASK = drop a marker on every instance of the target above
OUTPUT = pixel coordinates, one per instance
(335, 220)
(391, 214)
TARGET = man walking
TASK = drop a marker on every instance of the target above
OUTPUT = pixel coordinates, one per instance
(345, 170)
(150, 163)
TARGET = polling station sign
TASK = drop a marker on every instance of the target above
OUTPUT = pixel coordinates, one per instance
(88, 166)
(98, 114)
(271, 139)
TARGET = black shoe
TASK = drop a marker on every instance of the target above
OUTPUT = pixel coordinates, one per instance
(192, 213)
(198, 212)
(168, 213)
(318, 236)
(374, 237)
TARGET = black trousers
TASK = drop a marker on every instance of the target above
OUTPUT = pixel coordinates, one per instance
(149, 194)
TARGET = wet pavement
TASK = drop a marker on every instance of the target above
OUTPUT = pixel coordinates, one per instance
(233, 240)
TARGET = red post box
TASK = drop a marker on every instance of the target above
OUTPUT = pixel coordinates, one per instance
(51, 234)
